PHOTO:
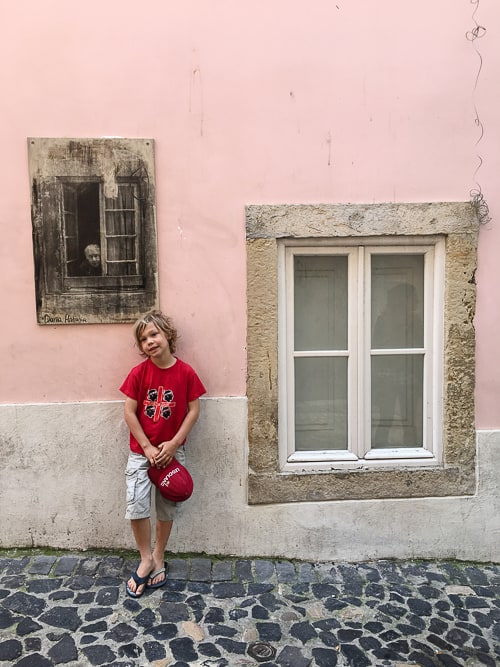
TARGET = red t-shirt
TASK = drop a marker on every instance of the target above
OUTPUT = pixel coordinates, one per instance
(162, 396)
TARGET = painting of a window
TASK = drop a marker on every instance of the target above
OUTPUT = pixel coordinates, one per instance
(93, 213)
(121, 233)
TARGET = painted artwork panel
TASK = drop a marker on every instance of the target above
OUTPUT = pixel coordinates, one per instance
(94, 229)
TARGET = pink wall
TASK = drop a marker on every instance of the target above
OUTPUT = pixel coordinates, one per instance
(278, 101)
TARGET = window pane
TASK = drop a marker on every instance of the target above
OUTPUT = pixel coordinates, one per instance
(125, 198)
(70, 226)
(70, 208)
(121, 248)
(120, 222)
(71, 248)
(397, 400)
(320, 403)
(122, 269)
(320, 284)
(397, 307)
(69, 202)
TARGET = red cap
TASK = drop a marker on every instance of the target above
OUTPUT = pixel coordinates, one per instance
(174, 482)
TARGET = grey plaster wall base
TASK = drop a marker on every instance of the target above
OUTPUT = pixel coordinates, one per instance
(62, 485)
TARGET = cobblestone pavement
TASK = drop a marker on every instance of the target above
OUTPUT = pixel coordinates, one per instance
(72, 609)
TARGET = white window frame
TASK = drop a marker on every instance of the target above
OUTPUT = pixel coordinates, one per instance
(359, 252)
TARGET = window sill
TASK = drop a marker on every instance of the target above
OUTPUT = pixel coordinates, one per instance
(96, 283)
(361, 483)
(297, 468)
(325, 460)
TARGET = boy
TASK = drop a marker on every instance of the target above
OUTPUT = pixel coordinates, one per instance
(161, 407)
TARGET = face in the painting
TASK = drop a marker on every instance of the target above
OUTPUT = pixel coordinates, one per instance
(93, 256)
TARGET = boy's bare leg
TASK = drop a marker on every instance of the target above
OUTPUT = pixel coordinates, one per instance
(142, 533)
(163, 530)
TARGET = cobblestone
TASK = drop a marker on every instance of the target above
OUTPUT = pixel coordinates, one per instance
(73, 610)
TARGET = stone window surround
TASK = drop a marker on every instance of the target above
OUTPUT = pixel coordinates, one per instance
(456, 474)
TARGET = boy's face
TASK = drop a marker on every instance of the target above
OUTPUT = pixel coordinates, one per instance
(153, 342)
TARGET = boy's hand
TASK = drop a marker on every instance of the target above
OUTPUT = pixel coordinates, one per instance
(151, 452)
(166, 453)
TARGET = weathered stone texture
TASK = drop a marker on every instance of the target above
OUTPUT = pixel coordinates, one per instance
(262, 286)
(455, 475)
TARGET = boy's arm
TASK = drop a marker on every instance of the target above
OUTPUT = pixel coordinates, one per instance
(130, 413)
(169, 447)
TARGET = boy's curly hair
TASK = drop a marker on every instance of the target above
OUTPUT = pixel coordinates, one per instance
(161, 322)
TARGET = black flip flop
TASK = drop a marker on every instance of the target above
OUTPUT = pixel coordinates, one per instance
(139, 581)
(153, 575)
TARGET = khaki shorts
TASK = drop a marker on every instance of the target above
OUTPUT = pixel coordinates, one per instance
(139, 490)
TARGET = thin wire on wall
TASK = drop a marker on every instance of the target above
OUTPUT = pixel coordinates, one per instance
(476, 196)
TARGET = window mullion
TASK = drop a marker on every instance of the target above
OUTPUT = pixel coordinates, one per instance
(290, 347)
(364, 352)
(103, 230)
(137, 223)
(431, 300)
(358, 354)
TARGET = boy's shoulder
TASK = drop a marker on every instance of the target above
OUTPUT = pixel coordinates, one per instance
(181, 364)
(139, 367)
(184, 367)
